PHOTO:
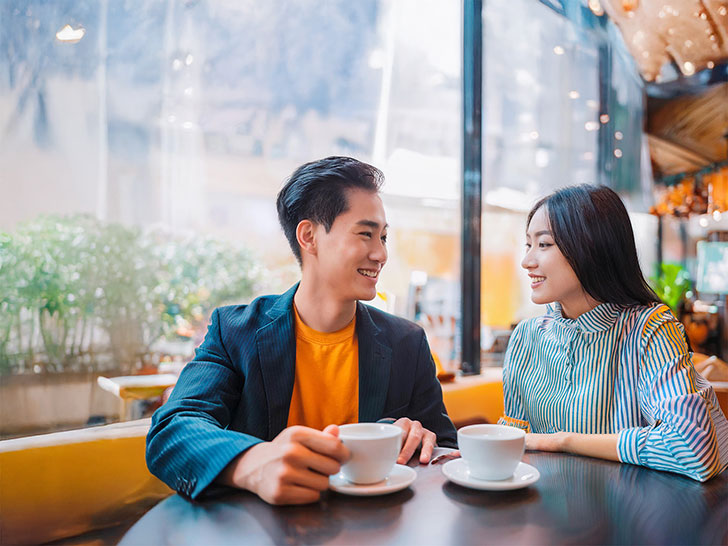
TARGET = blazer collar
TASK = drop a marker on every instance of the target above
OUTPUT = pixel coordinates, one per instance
(375, 362)
(276, 342)
(284, 305)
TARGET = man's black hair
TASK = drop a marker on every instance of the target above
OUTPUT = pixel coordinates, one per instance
(317, 191)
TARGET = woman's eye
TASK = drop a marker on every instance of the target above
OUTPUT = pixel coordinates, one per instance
(528, 246)
(544, 245)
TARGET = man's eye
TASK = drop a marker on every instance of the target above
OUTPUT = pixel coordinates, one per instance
(366, 234)
(384, 238)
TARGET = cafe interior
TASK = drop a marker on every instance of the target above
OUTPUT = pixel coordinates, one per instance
(144, 143)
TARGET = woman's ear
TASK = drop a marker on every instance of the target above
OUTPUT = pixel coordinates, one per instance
(306, 237)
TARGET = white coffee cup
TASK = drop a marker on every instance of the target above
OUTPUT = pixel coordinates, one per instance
(374, 450)
(491, 451)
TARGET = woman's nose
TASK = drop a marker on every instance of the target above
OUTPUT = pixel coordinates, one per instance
(528, 262)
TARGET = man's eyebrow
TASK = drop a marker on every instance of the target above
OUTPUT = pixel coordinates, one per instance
(371, 223)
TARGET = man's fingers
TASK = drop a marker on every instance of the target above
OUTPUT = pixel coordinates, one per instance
(428, 444)
(404, 423)
(323, 464)
(295, 494)
(414, 438)
(325, 444)
(333, 430)
(304, 477)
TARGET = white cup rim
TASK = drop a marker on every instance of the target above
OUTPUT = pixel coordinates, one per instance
(472, 430)
(379, 431)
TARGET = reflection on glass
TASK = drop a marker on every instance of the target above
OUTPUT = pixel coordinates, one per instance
(184, 118)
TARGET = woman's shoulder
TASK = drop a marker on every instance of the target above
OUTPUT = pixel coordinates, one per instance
(644, 321)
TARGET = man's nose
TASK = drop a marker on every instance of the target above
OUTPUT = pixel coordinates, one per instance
(379, 253)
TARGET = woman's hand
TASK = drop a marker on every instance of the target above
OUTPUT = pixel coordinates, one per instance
(602, 446)
(547, 442)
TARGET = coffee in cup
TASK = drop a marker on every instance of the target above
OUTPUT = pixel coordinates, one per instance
(492, 452)
(374, 450)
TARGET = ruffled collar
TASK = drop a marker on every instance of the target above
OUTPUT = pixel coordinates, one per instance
(599, 319)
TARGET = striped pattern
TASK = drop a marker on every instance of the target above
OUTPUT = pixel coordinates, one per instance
(617, 369)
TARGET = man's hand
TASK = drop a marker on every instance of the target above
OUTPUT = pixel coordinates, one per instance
(292, 469)
(415, 435)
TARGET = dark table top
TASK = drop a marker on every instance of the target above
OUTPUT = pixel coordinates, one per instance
(577, 500)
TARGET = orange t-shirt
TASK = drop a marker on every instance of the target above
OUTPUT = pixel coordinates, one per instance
(326, 385)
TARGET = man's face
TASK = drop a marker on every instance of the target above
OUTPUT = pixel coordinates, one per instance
(351, 255)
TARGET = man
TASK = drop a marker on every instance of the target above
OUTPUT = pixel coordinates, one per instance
(257, 408)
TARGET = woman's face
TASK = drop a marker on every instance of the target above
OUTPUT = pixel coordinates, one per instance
(552, 278)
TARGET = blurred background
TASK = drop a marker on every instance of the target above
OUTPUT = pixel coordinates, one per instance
(144, 141)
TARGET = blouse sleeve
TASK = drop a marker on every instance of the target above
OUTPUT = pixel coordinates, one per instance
(687, 432)
(515, 413)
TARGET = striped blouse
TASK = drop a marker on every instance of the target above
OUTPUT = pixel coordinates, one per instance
(617, 369)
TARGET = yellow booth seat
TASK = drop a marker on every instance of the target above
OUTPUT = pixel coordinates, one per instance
(475, 398)
(64, 484)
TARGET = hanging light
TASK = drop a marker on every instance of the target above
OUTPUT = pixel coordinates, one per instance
(596, 7)
(70, 36)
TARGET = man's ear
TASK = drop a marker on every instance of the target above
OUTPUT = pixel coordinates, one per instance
(306, 237)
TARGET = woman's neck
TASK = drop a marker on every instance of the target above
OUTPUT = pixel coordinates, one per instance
(577, 306)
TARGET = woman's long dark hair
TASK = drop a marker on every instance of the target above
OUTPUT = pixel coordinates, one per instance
(591, 227)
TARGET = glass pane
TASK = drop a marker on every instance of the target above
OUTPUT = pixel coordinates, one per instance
(157, 133)
(562, 105)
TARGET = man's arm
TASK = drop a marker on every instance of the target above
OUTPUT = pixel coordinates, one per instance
(189, 444)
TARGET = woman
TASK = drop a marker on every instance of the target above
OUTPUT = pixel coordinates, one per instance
(607, 371)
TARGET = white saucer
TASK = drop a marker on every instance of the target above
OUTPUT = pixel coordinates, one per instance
(400, 477)
(457, 471)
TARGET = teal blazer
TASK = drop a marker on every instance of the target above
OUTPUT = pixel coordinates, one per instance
(237, 390)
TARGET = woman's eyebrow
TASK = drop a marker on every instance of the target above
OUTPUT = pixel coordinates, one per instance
(542, 232)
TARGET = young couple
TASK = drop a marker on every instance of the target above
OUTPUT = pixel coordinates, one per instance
(605, 373)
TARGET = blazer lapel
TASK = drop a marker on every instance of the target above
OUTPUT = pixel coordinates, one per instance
(276, 343)
(375, 361)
